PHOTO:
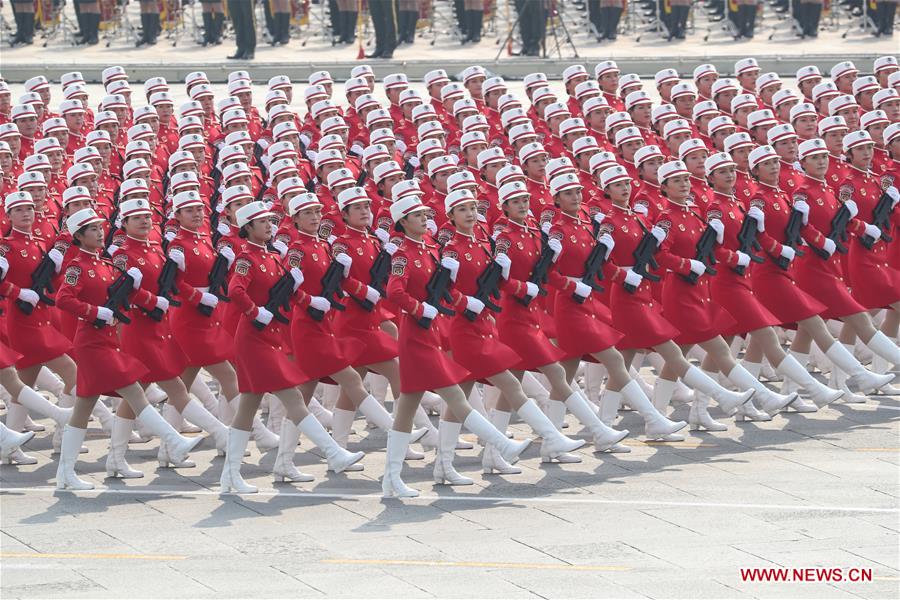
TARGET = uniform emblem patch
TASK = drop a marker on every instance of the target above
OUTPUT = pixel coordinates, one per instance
(73, 272)
(398, 265)
(242, 266)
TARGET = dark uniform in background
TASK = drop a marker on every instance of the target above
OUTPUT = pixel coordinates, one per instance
(407, 18)
(474, 16)
(384, 22)
(90, 19)
(532, 25)
(213, 21)
(884, 17)
(610, 13)
(281, 21)
(23, 11)
(746, 18)
(345, 20)
(678, 19)
(241, 12)
(808, 14)
(151, 26)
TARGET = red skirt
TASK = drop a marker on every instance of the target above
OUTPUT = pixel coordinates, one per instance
(151, 342)
(204, 340)
(103, 367)
(778, 292)
(8, 356)
(823, 280)
(262, 364)
(583, 329)
(691, 310)
(873, 281)
(425, 363)
(363, 329)
(639, 317)
(733, 292)
(476, 346)
(34, 336)
(521, 329)
(317, 350)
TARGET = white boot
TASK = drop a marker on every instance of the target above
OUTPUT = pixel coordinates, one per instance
(793, 369)
(231, 480)
(155, 394)
(11, 440)
(116, 465)
(432, 403)
(321, 413)
(604, 437)
(859, 378)
(265, 439)
(64, 402)
(65, 472)
(430, 440)
(662, 394)
(196, 413)
(767, 400)
(636, 377)
(532, 387)
(226, 410)
(491, 461)
(173, 418)
(509, 449)
(728, 400)
(655, 423)
(30, 425)
(15, 421)
(284, 469)
(699, 417)
(391, 484)
(104, 415)
(276, 413)
(209, 401)
(375, 413)
(341, 424)
(49, 382)
(444, 473)
(553, 441)
(178, 447)
(338, 458)
(748, 411)
(886, 357)
(556, 414)
(610, 402)
(34, 401)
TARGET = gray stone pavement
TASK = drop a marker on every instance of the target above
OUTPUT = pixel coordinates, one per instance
(676, 520)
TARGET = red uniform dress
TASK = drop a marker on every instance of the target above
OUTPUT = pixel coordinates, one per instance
(638, 315)
(744, 187)
(775, 286)
(520, 326)
(689, 307)
(356, 323)
(103, 366)
(873, 281)
(584, 328)
(261, 362)
(33, 336)
(424, 363)
(317, 350)
(8, 356)
(475, 344)
(202, 339)
(147, 340)
(730, 289)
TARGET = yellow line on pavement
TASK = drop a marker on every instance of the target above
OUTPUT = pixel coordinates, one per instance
(483, 565)
(81, 555)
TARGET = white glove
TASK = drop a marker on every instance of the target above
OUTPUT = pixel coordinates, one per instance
(264, 315)
(28, 295)
(136, 275)
(381, 234)
(505, 264)
(177, 258)
(223, 228)
(829, 246)
(719, 227)
(104, 314)
(162, 304)
(428, 311)
(582, 289)
(346, 261)
(873, 231)
(894, 194)
(357, 149)
(598, 218)
(320, 303)
(545, 227)
(390, 248)
(4, 266)
(332, 239)
(633, 279)
(556, 246)
(57, 258)
(281, 247)
(228, 253)
(531, 289)
(170, 235)
(452, 264)
(297, 274)
(111, 250)
(372, 295)
(852, 207)
(659, 233)
(743, 259)
(608, 241)
(305, 140)
(414, 161)
(756, 213)
(640, 209)
(803, 208)
(401, 146)
(474, 305)
(431, 226)
(209, 300)
(697, 267)
(788, 253)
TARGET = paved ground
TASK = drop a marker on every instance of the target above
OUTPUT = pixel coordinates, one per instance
(673, 520)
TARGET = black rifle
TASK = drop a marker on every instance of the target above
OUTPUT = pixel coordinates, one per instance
(378, 276)
(112, 231)
(706, 245)
(881, 218)
(331, 290)
(166, 288)
(747, 242)
(218, 283)
(593, 266)
(438, 289)
(488, 289)
(792, 238)
(838, 233)
(361, 180)
(279, 299)
(644, 257)
(539, 270)
(41, 283)
(117, 299)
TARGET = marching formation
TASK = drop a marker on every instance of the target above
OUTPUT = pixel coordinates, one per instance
(173, 270)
